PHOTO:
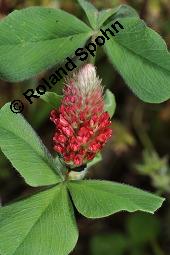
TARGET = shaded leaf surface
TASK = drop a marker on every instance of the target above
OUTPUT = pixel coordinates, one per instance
(106, 16)
(91, 12)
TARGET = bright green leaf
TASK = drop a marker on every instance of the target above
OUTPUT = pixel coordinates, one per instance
(37, 38)
(52, 99)
(42, 224)
(24, 149)
(140, 55)
(96, 199)
(110, 102)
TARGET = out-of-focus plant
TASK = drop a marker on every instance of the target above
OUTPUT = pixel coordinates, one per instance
(122, 139)
(142, 232)
(157, 168)
(152, 164)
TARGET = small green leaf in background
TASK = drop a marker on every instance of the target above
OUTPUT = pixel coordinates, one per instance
(110, 102)
(147, 226)
(24, 149)
(152, 163)
(38, 38)
(96, 199)
(108, 244)
(52, 99)
(157, 168)
(123, 140)
(141, 230)
(140, 55)
(42, 224)
(105, 16)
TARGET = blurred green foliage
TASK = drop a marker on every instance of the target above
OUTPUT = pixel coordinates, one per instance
(142, 230)
(157, 168)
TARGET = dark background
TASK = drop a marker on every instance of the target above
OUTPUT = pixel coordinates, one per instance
(137, 154)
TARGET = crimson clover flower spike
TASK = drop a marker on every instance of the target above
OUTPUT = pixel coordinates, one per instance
(82, 127)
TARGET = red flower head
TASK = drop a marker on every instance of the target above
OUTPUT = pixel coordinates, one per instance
(82, 126)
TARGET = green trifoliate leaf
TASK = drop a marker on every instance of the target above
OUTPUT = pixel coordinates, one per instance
(52, 99)
(42, 224)
(96, 199)
(37, 38)
(24, 149)
(110, 102)
(140, 55)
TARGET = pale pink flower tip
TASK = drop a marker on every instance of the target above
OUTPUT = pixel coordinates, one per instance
(82, 126)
